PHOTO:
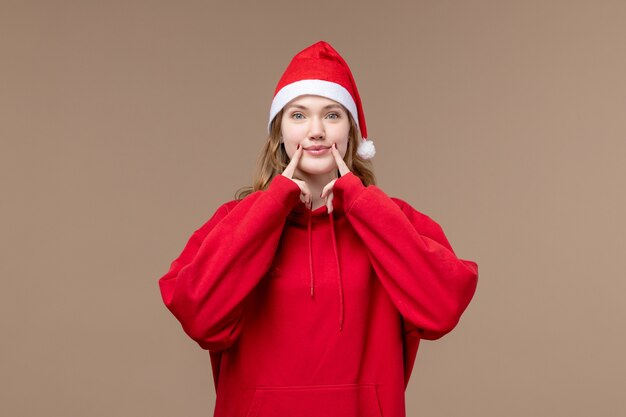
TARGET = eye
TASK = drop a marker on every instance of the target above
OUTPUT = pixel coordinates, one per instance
(297, 116)
(333, 115)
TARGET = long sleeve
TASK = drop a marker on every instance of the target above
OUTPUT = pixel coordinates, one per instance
(223, 262)
(411, 256)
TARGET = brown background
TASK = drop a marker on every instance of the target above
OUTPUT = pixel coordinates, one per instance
(124, 124)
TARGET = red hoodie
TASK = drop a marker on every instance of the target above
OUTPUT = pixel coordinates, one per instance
(310, 314)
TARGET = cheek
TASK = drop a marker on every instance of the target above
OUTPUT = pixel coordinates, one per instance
(288, 151)
(342, 144)
(291, 138)
(343, 149)
(290, 147)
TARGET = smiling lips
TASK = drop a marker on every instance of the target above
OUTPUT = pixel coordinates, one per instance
(317, 149)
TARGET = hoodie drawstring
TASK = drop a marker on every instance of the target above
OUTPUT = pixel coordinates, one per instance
(339, 280)
(310, 253)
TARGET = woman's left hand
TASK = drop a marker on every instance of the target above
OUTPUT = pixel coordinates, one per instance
(327, 192)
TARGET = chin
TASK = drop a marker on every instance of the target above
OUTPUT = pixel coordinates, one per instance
(317, 170)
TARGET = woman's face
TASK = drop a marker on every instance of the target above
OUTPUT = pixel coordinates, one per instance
(315, 123)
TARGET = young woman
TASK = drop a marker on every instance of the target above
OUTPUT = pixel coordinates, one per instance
(313, 289)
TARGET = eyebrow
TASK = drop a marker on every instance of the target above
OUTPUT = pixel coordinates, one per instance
(330, 106)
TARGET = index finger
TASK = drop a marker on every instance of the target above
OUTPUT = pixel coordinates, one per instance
(291, 167)
(341, 164)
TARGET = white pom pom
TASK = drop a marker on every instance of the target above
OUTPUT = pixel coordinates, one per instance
(366, 149)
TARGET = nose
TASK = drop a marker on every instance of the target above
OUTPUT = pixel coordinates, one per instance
(316, 129)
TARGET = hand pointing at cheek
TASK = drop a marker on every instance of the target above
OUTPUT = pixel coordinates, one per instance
(305, 193)
(327, 192)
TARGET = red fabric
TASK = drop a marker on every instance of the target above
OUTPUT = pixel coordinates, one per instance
(241, 288)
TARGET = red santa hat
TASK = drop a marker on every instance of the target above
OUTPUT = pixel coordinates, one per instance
(321, 71)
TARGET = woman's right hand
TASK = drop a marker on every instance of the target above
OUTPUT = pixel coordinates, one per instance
(305, 193)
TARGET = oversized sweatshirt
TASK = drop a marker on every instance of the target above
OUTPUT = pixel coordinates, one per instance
(316, 314)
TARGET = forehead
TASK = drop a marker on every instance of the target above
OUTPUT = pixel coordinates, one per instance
(312, 101)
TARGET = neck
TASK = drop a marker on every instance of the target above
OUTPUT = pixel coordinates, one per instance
(316, 184)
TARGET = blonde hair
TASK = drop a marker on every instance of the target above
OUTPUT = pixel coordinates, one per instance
(273, 159)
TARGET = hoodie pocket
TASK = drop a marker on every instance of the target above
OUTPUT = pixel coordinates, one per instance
(346, 400)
